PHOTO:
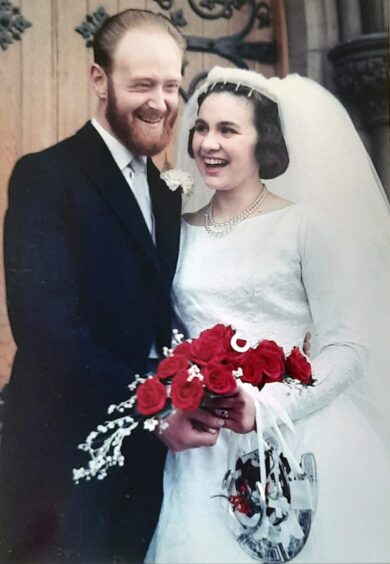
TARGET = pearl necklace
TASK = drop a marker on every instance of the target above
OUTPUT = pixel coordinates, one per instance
(224, 228)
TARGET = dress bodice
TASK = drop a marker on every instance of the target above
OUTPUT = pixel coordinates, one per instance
(251, 279)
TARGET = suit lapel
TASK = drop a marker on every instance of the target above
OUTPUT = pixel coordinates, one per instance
(94, 158)
(166, 210)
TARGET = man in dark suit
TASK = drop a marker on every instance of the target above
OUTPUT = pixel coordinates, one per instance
(91, 244)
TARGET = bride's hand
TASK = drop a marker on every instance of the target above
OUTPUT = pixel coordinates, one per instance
(237, 409)
(191, 430)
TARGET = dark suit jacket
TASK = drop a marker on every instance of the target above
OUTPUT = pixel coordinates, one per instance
(88, 293)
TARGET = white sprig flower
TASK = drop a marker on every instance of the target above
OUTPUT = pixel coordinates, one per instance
(177, 338)
(163, 425)
(150, 424)
(174, 178)
(194, 372)
(238, 373)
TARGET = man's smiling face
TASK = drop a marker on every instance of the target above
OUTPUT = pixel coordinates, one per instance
(143, 90)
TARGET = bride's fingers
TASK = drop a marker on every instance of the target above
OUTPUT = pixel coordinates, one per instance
(202, 428)
(224, 413)
(240, 422)
(207, 418)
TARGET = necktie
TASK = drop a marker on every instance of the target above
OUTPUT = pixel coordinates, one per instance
(140, 189)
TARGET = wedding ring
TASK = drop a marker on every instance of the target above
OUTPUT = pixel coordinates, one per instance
(224, 413)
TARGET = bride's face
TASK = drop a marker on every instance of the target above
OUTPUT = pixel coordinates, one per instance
(224, 142)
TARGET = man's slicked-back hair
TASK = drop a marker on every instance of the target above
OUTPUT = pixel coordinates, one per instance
(114, 28)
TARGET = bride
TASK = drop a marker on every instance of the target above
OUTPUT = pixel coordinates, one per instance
(274, 260)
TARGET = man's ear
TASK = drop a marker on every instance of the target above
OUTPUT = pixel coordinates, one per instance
(99, 81)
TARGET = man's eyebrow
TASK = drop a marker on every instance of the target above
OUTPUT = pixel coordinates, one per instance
(149, 78)
(140, 79)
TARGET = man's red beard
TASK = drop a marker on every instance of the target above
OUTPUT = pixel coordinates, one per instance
(139, 140)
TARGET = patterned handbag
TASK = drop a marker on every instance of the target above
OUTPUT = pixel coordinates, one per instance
(271, 497)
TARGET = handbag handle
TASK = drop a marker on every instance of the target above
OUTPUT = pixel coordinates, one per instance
(264, 411)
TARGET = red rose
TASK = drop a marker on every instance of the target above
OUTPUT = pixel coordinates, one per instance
(219, 379)
(272, 358)
(298, 367)
(252, 368)
(204, 350)
(235, 358)
(151, 396)
(211, 344)
(232, 359)
(171, 365)
(184, 349)
(186, 394)
(220, 332)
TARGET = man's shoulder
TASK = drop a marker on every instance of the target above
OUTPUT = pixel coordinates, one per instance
(65, 158)
(59, 149)
(57, 166)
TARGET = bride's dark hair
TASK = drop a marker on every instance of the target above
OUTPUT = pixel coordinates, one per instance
(271, 151)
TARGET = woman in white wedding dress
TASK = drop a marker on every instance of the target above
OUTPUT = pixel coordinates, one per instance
(274, 266)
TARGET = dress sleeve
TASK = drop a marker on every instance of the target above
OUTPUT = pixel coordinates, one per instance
(339, 354)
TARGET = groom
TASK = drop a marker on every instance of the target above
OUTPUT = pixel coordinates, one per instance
(91, 244)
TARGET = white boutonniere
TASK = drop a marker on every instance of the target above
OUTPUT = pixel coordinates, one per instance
(174, 178)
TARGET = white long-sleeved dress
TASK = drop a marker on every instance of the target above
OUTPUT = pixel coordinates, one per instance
(273, 277)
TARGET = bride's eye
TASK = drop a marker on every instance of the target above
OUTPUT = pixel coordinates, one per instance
(225, 130)
(200, 127)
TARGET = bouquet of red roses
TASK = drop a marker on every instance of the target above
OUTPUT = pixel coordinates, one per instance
(210, 364)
